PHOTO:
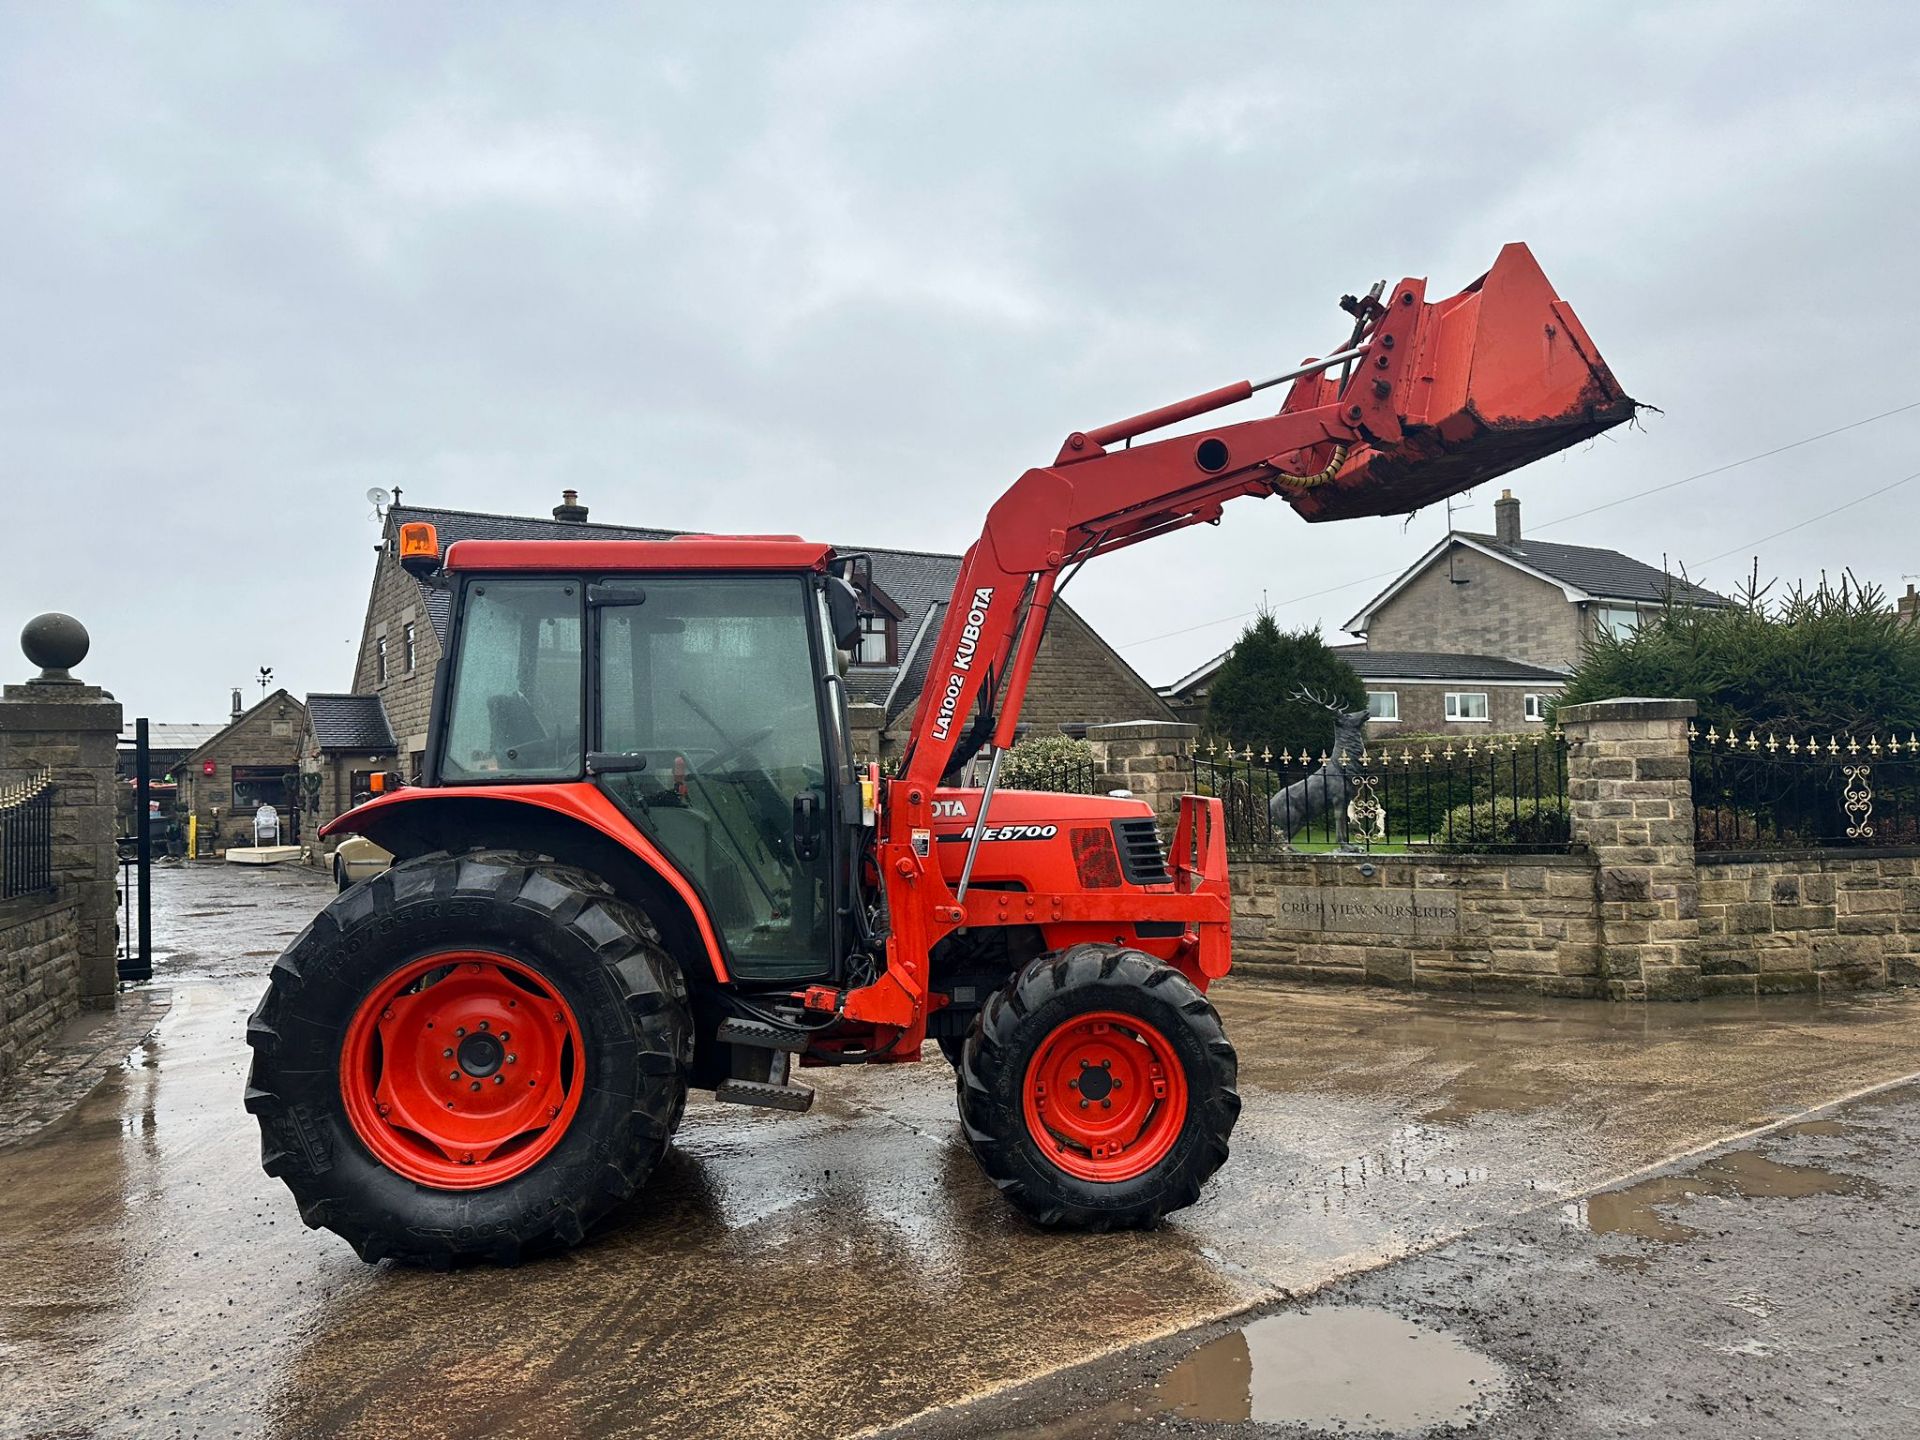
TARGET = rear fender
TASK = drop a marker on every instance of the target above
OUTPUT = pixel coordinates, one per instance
(575, 824)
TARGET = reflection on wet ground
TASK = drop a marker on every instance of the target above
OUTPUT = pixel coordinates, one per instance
(1641, 1211)
(1330, 1367)
(855, 1251)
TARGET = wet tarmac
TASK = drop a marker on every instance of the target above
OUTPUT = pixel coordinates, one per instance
(1773, 1290)
(827, 1273)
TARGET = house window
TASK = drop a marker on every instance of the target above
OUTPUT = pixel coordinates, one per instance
(257, 785)
(1383, 704)
(1619, 621)
(875, 646)
(406, 647)
(380, 660)
(1533, 707)
(1466, 705)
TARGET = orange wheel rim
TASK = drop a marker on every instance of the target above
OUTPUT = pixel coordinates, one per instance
(462, 1069)
(1105, 1096)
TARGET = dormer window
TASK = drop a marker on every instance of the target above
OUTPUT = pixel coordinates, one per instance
(877, 644)
(879, 629)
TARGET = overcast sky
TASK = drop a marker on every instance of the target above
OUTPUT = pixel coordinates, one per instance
(847, 270)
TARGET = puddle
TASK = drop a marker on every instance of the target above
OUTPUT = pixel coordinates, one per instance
(1350, 1367)
(1741, 1174)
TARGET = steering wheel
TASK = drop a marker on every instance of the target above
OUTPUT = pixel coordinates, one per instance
(739, 747)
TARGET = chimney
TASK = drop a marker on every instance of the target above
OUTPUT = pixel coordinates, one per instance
(1908, 605)
(1506, 519)
(236, 702)
(570, 509)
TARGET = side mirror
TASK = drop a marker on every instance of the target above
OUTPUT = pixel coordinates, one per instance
(843, 608)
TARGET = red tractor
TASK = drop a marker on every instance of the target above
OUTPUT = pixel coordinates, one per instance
(642, 858)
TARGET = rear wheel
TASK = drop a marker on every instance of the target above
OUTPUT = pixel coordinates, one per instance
(469, 1057)
(1099, 1090)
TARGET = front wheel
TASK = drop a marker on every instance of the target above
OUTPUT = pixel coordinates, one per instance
(1099, 1089)
(469, 1057)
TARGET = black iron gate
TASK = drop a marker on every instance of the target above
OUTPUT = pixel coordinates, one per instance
(136, 870)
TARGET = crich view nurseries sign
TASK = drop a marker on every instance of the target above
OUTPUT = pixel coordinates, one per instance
(1357, 909)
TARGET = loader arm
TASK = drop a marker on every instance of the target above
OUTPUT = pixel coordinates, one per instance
(1434, 399)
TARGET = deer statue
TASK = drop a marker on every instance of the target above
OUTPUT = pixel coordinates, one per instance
(1332, 787)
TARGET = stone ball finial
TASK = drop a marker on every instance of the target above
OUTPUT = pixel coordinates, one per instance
(56, 643)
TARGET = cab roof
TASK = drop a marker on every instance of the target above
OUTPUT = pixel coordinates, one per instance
(688, 552)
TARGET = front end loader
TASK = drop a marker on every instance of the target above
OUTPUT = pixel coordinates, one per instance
(642, 858)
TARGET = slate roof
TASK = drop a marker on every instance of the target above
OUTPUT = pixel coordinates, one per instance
(1400, 665)
(350, 722)
(918, 581)
(1603, 574)
(1436, 665)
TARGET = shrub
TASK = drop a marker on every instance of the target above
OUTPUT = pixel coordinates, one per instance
(1507, 825)
(1049, 762)
(1252, 701)
(1836, 661)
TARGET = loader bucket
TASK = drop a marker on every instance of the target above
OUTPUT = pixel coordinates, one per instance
(1501, 374)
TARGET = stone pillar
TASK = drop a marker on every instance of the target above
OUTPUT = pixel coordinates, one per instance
(1148, 757)
(54, 722)
(865, 722)
(1632, 807)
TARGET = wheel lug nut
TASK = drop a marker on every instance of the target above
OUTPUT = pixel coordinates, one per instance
(1086, 1064)
(513, 1059)
(1073, 1084)
(446, 1054)
(504, 1037)
(1083, 1104)
(484, 1024)
(460, 1030)
(499, 1079)
(1106, 1104)
(453, 1075)
(1106, 1064)
(474, 1086)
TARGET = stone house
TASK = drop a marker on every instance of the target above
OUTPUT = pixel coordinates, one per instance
(1479, 634)
(347, 738)
(1078, 678)
(226, 779)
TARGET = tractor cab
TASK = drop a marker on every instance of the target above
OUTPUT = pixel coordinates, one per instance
(697, 686)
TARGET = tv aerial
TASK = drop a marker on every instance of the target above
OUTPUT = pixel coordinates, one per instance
(380, 500)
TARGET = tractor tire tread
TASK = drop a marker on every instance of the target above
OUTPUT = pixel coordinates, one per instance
(1014, 1022)
(308, 1143)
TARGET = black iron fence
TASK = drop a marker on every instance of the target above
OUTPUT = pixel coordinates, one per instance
(1494, 793)
(26, 837)
(1771, 791)
(1063, 777)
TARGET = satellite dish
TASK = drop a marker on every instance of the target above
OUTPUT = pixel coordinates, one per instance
(379, 499)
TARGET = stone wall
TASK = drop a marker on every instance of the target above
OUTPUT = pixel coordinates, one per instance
(1497, 611)
(1630, 913)
(1078, 679)
(1146, 757)
(40, 965)
(394, 603)
(1808, 922)
(1423, 708)
(58, 949)
(1442, 923)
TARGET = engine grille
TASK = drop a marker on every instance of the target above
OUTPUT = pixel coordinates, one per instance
(1142, 860)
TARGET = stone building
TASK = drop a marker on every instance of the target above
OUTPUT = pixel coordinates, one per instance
(1078, 679)
(347, 738)
(226, 779)
(1480, 633)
